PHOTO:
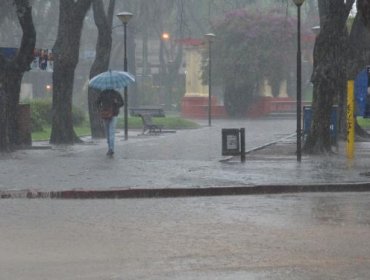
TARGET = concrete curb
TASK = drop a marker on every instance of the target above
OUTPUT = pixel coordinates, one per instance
(187, 192)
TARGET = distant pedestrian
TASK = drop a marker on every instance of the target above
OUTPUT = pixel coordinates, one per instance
(108, 104)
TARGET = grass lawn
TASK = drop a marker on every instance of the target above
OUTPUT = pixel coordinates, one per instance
(133, 123)
(364, 122)
(45, 134)
(167, 122)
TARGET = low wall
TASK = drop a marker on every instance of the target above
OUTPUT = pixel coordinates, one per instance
(197, 107)
(267, 105)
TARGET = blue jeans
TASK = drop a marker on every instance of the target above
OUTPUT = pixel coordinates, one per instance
(110, 129)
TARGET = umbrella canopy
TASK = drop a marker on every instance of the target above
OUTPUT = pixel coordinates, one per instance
(111, 80)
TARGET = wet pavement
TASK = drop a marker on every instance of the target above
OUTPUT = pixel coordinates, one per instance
(295, 236)
(185, 159)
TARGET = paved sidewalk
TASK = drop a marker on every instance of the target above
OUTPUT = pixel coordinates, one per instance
(184, 163)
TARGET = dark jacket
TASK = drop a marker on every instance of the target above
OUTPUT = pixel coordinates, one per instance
(110, 98)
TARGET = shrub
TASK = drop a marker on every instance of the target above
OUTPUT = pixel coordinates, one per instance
(36, 122)
(41, 114)
(78, 115)
(42, 109)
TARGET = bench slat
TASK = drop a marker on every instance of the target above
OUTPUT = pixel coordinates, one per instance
(153, 111)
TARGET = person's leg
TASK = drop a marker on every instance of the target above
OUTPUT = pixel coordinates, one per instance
(111, 134)
(107, 124)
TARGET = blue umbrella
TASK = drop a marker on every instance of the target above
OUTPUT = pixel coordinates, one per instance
(111, 80)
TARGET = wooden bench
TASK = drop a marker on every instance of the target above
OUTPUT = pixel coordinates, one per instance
(149, 125)
(153, 111)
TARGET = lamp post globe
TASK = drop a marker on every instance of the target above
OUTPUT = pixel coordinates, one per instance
(316, 29)
(125, 17)
(210, 37)
(298, 2)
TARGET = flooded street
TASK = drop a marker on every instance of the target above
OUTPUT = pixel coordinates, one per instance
(297, 236)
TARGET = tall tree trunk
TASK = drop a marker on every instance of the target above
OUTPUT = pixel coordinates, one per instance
(103, 22)
(14, 88)
(363, 8)
(11, 74)
(329, 73)
(66, 52)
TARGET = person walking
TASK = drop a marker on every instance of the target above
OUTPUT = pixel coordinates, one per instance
(108, 103)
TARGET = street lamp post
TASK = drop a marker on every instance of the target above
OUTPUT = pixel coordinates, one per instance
(124, 17)
(210, 38)
(299, 81)
(165, 77)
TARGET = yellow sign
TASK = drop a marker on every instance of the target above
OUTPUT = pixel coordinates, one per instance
(350, 120)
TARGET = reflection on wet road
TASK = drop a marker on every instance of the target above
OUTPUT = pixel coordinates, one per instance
(296, 236)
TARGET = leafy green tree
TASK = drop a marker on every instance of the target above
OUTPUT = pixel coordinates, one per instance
(251, 46)
(151, 20)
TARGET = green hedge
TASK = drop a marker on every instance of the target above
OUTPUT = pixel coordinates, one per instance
(41, 114)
